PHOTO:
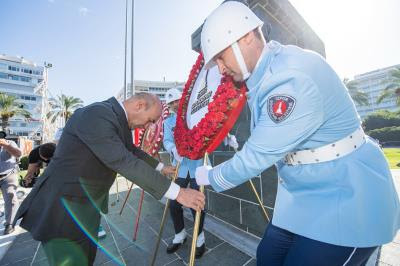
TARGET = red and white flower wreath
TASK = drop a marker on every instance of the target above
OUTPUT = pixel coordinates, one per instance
(223, 111)
(156, 133)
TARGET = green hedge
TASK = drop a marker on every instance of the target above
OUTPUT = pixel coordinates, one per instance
(381, 119)
(23, 163)
(385, 134)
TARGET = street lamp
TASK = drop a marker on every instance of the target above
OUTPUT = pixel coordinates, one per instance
(45, 105)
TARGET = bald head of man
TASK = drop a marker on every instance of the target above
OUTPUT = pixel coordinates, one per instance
(142, 109)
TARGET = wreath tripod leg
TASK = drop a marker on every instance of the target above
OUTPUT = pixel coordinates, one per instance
(126, 199)
(138, 214)
(259, 200)
(153, 259)
(196, 224)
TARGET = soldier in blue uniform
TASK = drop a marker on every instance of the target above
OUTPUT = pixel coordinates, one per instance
(185, 177)
(336, 200)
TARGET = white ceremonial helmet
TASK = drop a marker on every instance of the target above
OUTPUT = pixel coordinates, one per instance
(172, 95)
(223, 28)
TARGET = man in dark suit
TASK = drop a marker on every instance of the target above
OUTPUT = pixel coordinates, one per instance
(63, 209)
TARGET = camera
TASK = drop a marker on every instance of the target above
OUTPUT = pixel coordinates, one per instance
(25, 184)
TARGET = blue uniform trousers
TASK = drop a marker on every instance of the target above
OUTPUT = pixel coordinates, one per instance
(281, 247)
(176, 210)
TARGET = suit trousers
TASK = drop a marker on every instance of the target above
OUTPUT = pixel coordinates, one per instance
(176, 210)
(8, 187)
(70, 252)
(76, 243)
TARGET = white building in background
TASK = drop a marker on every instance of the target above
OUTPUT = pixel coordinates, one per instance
(154, 87)
(373, 83)
(21, 78)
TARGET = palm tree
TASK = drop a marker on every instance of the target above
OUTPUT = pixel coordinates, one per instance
(393, 89)
(9, 107)
(64, 106)
(358, 95)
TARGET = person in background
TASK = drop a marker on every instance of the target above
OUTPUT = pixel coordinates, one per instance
(40, 155)
(185, 176)
(9, 153)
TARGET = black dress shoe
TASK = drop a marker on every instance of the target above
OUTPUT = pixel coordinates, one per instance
(8, 229)
(200, 251)
(174, 247)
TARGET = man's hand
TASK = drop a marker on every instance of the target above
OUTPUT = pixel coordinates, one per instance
(191, 198)
(3, 142)
(168, 170)
(28, 179)
(201, 175)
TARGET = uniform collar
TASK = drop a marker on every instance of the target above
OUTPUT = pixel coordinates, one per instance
(265, 60)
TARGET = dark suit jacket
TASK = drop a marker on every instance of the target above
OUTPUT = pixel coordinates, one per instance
(96, 143)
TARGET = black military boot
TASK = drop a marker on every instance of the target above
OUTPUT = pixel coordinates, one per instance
(174, 246)
(200, 251)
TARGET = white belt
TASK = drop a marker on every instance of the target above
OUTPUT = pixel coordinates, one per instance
(328, 152)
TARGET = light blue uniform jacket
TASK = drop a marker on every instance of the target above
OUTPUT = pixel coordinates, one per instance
(350, 201)
(186, 165)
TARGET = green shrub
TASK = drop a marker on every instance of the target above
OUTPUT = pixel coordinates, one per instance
(385, 134)
(23, 163)
(381, 119)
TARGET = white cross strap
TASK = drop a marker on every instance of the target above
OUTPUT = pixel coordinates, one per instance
(328, 152)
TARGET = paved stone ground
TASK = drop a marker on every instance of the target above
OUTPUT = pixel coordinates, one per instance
(119, 249)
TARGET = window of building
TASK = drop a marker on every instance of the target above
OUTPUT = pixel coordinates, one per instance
(19, 78)
(3, 66)
(13, 68)
(25, 79)
(28, 98)
(3, 76)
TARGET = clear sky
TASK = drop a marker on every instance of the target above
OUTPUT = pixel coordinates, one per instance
(84, 39)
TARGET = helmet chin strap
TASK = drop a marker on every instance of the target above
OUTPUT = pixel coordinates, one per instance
(262, 36)
(240, 60)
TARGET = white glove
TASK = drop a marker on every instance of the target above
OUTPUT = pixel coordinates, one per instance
(230, 140)
(202, 175)
(176, 155)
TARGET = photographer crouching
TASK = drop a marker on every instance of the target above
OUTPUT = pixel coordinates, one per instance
(9, 152)
(38, 156)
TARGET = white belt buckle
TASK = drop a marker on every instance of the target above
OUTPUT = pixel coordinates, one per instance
(289, 159)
